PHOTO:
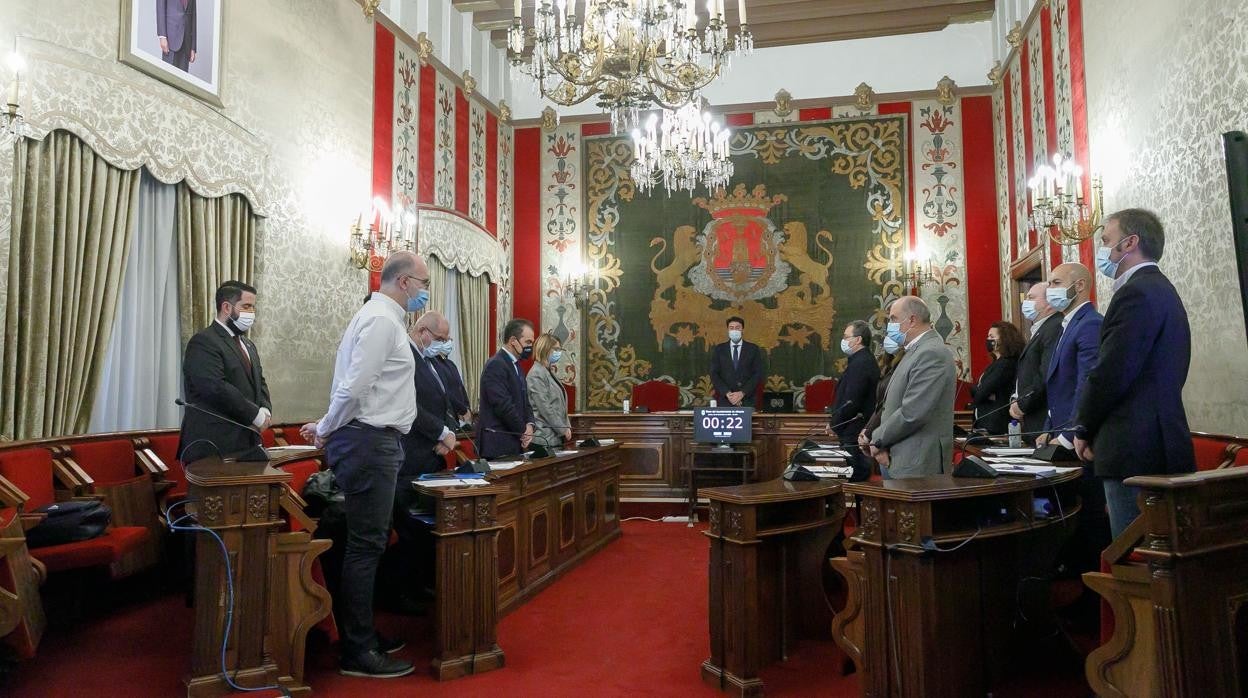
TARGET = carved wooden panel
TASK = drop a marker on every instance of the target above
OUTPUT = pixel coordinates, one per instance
(539, 535)
(610, 498)
(643, 459)
(567, 520)
(590, 512)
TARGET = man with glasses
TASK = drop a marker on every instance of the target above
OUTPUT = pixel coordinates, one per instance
(372, 404)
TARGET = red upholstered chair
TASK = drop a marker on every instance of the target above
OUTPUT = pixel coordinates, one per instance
(571, 391)
(1241, 457)
(820, 395)
(164, 449)
(656, 396)
(300, 471)
(292, 437)
(268, 438)
(113, 469)
(32, 471)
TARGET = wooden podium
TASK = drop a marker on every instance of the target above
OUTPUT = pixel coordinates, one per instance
(769, 547)
(276, 601)
(920, 621)
(1178, 588)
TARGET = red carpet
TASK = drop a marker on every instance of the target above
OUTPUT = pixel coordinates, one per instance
(631, 621)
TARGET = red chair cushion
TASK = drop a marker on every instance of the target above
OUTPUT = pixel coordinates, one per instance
(656, 396)
(165, 446)
(820, 394)
(571, 391)
(1209, 452)
(293, 437)
(1241, 456)
(300, 471)
(104, 550)
(107, 462)
(31, 470)
(268, 438)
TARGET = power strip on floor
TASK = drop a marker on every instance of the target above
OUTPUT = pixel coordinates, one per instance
(675, 519)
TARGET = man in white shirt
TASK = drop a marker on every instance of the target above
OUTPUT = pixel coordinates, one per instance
(372, 404)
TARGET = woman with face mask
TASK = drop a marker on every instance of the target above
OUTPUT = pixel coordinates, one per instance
(547, 394)
(893, 353)
(991, 395)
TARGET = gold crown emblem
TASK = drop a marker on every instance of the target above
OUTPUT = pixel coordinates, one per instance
(756, 199)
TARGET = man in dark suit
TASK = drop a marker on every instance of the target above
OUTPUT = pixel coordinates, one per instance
(221, 373)
(855, 392)
(505, 423)
(457, 393)
(737, 367)
(175, 28)
(1131, 417)
(1032, 406)
(1070, 287)
(433, 432)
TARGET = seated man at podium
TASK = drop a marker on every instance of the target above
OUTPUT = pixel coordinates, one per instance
(915, 435)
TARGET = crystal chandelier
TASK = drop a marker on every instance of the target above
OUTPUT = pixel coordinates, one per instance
(631, 54)
(1057, 204)
(685, 150)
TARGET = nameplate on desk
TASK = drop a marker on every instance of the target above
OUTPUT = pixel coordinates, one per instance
(606, 442)
(1003, 451)
(451, 482)
(279, 450)
(505, 465)
(828, 454)
(566, 453)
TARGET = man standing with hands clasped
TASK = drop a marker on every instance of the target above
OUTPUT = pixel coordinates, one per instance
(737, 367)
(372, 404)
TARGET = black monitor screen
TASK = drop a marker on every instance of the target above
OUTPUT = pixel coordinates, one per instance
(722, 425)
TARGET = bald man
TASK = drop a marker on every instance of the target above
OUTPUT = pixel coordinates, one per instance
(433, 433)
(1069, 292)
(372, 404)
(1032, 406)
(915, 435)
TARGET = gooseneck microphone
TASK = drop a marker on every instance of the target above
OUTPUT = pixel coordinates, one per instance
(806, 446)
(257, 450)
(1006, 406)
(183, 403)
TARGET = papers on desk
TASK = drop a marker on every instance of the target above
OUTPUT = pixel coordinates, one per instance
(295, 447)
(506, 465)
(1016, 460)
(1026, 466)
(1003, 451)
(452, 482)
(606, 442)
(819, 453)
(566, 453)
(831, 472)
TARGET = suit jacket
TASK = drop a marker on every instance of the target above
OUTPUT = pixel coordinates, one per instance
(1033, 367)
(992, 395)
(1132, 409)
(917, 422)
(1073, 359)
(175, 23)
(550, 406)
(215, 377)
(432, 416)
(745, 376)
(454, 384)
(504, 406)
(855, 393)
(881, 391)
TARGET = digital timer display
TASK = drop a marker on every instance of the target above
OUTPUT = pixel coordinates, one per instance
(722, 425)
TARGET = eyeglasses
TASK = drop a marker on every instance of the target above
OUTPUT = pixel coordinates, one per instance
(423, 282)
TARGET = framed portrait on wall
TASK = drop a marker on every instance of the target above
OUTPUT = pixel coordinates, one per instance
(177, 41)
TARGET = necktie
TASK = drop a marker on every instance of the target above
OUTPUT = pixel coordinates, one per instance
(185, 3)
(736, 354)
(429, 363)
(242, 348)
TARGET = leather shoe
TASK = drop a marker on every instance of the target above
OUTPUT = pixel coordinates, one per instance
(373, 664)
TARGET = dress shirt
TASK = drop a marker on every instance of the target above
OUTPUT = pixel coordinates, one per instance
(1035, 326)
(429, 365)
(1073, 311)
(911, 342)
(374, 372)
(263, 414)
(1122, 280)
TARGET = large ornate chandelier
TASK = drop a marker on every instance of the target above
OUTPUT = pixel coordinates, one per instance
(631, 54)
(686, 149)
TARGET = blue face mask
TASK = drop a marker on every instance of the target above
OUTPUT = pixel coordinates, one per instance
(417, 303)
(894, 332)
(734, 335)
(1058, 299)
(1029, 310)
(1107, 266)
(445, 348)
(555, 356)
(890, 345)
(431, 351)
(845, 347)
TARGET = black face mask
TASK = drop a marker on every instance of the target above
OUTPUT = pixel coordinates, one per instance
(527, 352)
(992, 346)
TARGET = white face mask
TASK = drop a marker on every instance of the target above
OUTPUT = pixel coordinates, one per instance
(1029, 310)
(444, 348)
(734, 335)
(244, 321)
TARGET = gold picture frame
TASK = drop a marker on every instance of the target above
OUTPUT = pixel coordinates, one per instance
(139, 45)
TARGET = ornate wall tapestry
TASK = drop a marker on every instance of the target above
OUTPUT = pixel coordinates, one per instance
(809, 236)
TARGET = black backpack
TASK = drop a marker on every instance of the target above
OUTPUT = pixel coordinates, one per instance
(69, 522)
(327, 503)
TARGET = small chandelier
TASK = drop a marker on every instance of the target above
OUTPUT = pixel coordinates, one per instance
(383, 235)
(631, 54)
(11, 117)
(1057, 204)
(685, 150)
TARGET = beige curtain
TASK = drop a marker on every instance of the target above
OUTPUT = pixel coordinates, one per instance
(474, 330)
(437, 285)
(216, 243)
(71, 227)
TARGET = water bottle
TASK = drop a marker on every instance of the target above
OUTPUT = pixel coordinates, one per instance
(626, 405)
(1016, 439)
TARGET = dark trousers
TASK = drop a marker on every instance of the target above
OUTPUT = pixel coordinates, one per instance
(366, 463)
(180, 59)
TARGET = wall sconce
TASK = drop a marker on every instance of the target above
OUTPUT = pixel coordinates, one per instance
(384, 234)
(11, 119)
(1057, 205)
(580, 281)
(919, 267)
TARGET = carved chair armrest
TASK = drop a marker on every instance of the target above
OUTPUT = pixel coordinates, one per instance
(294, 505)
(1120, 548)
(11, 495)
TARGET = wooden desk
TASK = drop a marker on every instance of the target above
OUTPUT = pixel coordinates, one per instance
(769, 546)
(653, 445)
(498, 545)
(1178, 588)
(922, 622)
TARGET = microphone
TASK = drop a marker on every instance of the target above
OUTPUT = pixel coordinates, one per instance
(541, 450)
(841, 410)
(590, 442)
(470, 465)
(981, 468)
(798, 453)
(258, 449)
